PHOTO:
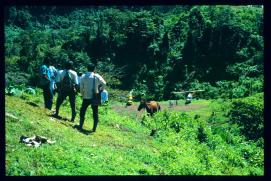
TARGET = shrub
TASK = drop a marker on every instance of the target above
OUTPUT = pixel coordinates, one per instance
(202, 136)
(13, 90)
(257, 85)
(30, 90)
(11, 63)
(20, 90)
(210, 92)
(17, 78)
(248, 114)
(117, 95)
(239, 91)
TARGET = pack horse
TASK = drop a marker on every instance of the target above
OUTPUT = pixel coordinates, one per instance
(151, 106)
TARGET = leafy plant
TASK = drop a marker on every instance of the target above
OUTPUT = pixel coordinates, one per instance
(202, 136)
(13, 90)
(248, 114)
(17, 90)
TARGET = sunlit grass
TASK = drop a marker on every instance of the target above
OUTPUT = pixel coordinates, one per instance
(122, 145)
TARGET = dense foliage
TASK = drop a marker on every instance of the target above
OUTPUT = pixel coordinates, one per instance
(153, 49)
(248, 113)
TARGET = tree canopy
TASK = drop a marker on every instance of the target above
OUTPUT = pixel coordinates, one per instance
(152, 49)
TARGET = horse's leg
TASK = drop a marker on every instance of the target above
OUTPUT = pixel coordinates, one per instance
(149, 110)
(158, 107)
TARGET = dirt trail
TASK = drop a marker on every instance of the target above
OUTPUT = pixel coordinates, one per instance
(133, 108)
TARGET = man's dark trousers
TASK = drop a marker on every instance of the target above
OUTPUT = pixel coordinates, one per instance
(48, 96)
(61, 97)
(85, 104)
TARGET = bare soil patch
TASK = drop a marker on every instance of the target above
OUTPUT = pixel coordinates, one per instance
(132, 110)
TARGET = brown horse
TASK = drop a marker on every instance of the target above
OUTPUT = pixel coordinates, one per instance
(151, 106)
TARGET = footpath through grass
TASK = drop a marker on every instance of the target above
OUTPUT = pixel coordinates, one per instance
(121, 145)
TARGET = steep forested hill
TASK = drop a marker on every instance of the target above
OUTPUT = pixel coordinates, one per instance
(152, 49)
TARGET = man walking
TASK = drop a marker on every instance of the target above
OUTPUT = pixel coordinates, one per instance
(89, 85)
(68, 83)
(45, 83)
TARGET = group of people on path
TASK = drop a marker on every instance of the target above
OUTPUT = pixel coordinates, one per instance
(67, 83)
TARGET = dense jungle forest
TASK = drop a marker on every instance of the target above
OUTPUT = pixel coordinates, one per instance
(152, 49)
(159, 53)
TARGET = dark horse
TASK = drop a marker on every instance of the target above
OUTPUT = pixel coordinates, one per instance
(151, 106)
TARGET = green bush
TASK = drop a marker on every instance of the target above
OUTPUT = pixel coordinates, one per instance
(117, 95)
(17, 78)
(202, 136)
(226, 89)
(248, 114)
(13, 90)
(239, 91)
(11, 63)
(210, 92)
(19, 90)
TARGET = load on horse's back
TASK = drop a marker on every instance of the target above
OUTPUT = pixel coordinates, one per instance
(151, 106)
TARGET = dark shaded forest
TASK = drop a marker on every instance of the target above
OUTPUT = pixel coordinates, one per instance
(152, 49)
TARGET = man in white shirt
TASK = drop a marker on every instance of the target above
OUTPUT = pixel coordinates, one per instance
(68, 82)
(87, 87)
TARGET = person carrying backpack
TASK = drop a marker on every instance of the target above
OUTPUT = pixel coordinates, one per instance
(67, 83)
(45, 82)
(89, 85)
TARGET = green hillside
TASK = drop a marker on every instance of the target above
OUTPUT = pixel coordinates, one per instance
(206, 144)
(155, 53)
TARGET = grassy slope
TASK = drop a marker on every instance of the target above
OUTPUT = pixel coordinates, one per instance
(116, 143)
(121, 146)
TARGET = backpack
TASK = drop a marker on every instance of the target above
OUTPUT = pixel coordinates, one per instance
(53, 72)
(66, 83)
